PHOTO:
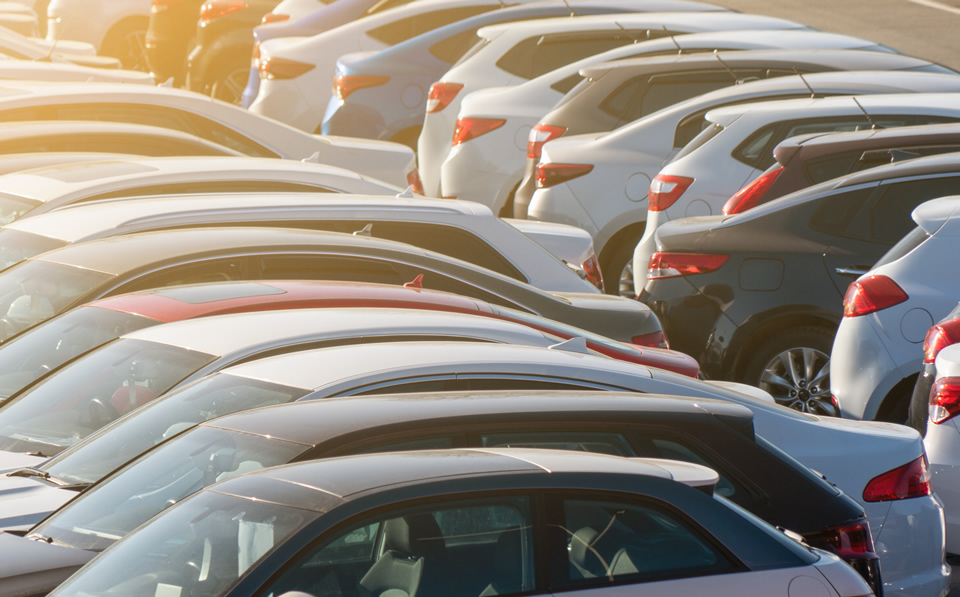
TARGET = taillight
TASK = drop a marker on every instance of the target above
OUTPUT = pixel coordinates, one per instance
(281, 68)
(344, 85)
(748, 197)
(548, 175)
(273, 17)
(851, 541)
(908, 481)
(441, 94)
(471, 128)
(413, 179)
(539, 135)
(665, 190)
(674, 265)
(217, 8)
(161, 5)
(939, 337)
(653, 340)
(945, 399)
(594, 275)
(871, 294)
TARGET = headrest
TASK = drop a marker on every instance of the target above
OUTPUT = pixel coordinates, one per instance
(583, 555)
(417, 535)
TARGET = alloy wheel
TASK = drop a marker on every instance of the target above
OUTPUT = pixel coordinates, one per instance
(626, 281)
(800, 379)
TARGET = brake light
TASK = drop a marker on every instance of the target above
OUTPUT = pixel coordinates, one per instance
(945, 399)
(217, 8)
(674, 265)
(652, 340)
(939, 337)
(162, 5)
(539, 135)
(547, 175)
(908, 481)
(471, 128)
(413, 179)
(851, 541)
(594, 275)
(273, 17)
(274, 68)
(441, 94)
(871, 294)
(749, 196)
(665, 190)
(344, 85)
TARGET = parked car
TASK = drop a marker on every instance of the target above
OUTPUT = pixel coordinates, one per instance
(737, 146)
(168, 39)
(115, 28)
(367, 84)
(757, 296)
(706, 432)
(877, 354)
(28, 161)
(512, 54)
(458, 229)
(21, 47)
(53, 282)
(941, 438)
(944, 333)
(211, 120)
(659, 512)
(63, 72)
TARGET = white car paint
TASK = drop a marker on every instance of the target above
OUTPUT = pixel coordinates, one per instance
(68, 72)
(942, 443)
(95, 21)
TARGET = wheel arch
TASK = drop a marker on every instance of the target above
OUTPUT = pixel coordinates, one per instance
(753, 334)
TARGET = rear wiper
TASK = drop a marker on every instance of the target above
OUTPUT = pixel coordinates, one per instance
(30, 472)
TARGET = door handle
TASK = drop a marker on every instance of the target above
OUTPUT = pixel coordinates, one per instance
(856, 272)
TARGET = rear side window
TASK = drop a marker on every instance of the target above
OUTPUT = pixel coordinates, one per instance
(832, 166)
(575, 441)
(404, 29)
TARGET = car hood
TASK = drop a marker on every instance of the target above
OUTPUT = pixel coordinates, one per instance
(25, 501)
(29, 567)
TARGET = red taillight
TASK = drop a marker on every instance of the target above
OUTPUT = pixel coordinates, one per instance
(471, 128)
(161, 5)
(939, 337)
(748, 197)
(273, 17)
(539, 135)
(548, 175)
(674, 265)
(908, 481)
(945, 399)
(871, 294)
(413, 179)
(594, 275)
(851, 541)
(652, 340)
(217, 8)
(281, 68)
(344, 85)
(441, 94)
(665, 190)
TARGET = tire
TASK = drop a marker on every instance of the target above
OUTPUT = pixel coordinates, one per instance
(617, 270)
(794, 367)
(229, 82)
(126, 43)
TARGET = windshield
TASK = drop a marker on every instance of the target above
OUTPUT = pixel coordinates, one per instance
(13, 207)
(213, 396)
(35, 291)
(17, 245)
(204, 545)
(29, 356)
(91, 392)
(160, 478)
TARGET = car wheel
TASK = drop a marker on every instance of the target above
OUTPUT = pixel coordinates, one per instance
(229, 84)
(794, 367)
(127, 43)
(619, 266)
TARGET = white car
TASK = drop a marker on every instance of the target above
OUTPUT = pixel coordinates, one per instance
(114, 27)
(942, 440)
(207, 118)
(737, 144)
(62, 72)
(45, 189)
(19, 17)
(859, 457)
(514, 53)
(878, 351)
(491, 165)
(460, 229)
(623, 162)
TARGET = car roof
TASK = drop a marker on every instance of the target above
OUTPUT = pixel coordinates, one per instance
(835, 142)
(176, 303)
(83, 220)
(838, 59)
(241, 332)
(808, 107)
(298, 421)
(321, 485)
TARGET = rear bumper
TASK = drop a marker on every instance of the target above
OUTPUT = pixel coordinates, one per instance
(942, 443)
(862, 371)
(911, 549)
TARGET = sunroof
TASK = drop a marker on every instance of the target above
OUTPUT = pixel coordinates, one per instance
(210, 293)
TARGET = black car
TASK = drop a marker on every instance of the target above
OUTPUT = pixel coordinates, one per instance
(169, 38)
(757, 297)
(219, 63)
(719, 435)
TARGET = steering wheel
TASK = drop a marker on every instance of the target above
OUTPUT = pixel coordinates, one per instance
(102, 412)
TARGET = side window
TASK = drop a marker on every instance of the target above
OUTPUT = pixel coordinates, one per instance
(453, 549)
(667, 91)
(890, 220)
(327, 267)
(603, 443)
(225, 186)
(433, 443)
(832, 166)
(403, 29)
(676, 449)
(758, 148)
(835, 214)
(600, 542)
(216, 270)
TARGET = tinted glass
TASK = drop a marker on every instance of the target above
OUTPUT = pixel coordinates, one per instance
(17, 245)
(213, 270)
(699, 141)
(890, 220)
(835, 213)
(322, 267)
(908, 243)
(539, 55)
(565, 84)
(832, 166)
(603, 443)
(644, 95)
(406, 28)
